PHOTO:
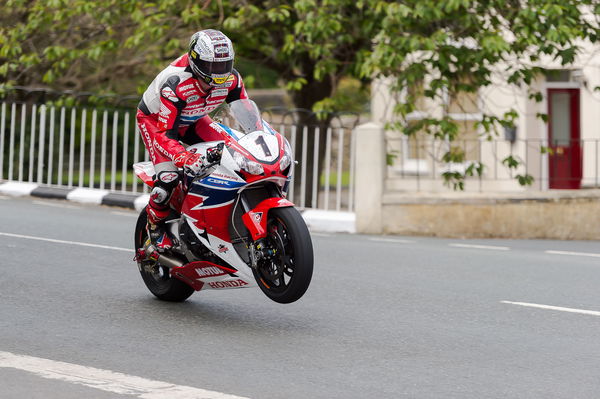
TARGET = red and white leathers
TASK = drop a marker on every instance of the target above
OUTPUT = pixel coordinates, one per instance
(174, 110)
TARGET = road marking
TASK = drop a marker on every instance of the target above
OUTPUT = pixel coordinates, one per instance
(396, 240)
(106, 380)
(56, 204)
(129, 214)
(320, 234)
(573, 253)
(83, 244)
(480, 247)
(2, 197)
(548, 307)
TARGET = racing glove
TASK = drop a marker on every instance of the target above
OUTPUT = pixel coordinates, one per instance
(191, 162)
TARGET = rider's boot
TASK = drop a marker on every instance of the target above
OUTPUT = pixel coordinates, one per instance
(159, 237)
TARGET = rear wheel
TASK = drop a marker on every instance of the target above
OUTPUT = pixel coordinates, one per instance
(284, 275)
(155, 276)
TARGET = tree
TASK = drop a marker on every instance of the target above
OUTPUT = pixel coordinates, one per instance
(311, 45)
(447, 47)
(457, 46)
(86, 44)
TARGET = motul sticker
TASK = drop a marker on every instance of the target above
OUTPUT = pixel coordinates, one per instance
(209, 271)
(227, 284)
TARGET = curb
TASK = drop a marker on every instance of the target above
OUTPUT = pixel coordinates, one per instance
(316, 220)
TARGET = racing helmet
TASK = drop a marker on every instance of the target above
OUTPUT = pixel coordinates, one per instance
(211, 56)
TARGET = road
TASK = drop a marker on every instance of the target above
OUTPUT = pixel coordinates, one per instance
(385, 317)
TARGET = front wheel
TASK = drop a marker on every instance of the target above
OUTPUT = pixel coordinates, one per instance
(156, 276)
(285, 274)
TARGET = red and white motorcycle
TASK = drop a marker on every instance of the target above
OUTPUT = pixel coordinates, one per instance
(233, 226)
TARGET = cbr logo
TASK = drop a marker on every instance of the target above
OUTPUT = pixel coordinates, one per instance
(228, 284)
(224, 183)
(193, 98)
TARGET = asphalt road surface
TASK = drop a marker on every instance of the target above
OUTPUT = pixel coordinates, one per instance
(385, 317)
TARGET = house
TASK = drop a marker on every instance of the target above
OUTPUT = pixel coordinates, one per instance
(561, 154)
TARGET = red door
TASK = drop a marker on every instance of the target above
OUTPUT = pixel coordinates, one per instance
(566, 167)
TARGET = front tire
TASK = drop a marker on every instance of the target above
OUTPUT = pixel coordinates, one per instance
(155, 276)
(285, 275)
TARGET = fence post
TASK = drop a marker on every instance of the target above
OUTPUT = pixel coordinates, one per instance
(370, 177)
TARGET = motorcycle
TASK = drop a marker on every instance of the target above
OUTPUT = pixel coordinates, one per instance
(232, 224)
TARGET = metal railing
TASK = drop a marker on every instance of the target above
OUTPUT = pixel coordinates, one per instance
(89, 147)
(415, 164)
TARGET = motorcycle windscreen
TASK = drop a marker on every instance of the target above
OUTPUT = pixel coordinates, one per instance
(246, 114)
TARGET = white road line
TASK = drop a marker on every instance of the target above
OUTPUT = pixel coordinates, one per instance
(320, 234)
(548, 307)
(593, 255)
(128, 214)
(106, 380)
(480, 247)
(83, 244)
(56, 204)
(396, 240)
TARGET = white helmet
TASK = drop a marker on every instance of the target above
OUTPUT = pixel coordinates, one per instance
(211, 56)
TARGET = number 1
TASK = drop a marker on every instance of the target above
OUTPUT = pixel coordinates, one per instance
(261, 142)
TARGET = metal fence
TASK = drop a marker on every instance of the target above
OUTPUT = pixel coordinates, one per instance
(91, 147)
(416, 164)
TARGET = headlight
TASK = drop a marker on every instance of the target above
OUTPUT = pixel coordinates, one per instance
(286, 160)
(254, 168)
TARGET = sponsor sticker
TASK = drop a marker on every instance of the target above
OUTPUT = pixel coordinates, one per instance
(258, 216)
(217, 127)
(222, 49)
(209, 271)
(187, 87)
(193, 98)
(168, 177)
(169, 94)
(219, 93)
(223, 249)
(228, 284)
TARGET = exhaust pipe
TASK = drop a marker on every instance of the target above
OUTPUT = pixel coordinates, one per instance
(150, 252)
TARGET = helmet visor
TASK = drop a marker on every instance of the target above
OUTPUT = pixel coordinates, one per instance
(210, 68)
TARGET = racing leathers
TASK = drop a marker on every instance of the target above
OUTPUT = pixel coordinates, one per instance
(174, 110)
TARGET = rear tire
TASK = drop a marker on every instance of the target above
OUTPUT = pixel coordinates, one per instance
(155, 276)
(285, 277)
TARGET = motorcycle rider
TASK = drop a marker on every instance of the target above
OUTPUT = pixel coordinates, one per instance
(174, 110)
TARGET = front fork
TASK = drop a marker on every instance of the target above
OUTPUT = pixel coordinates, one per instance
(255, 221)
